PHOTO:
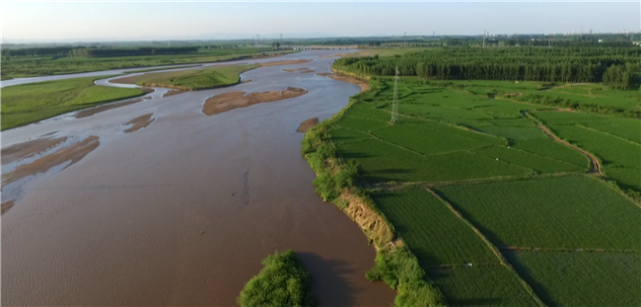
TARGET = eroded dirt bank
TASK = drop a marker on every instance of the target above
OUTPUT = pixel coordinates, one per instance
(229, 101)
(307, 124)
(363, 84)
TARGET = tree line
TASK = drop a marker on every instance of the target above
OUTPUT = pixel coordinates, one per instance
(619, 67)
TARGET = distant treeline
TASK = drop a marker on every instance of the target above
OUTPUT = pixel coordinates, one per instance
(99, 52)
(558, 64)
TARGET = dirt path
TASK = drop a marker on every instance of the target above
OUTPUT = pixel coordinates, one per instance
(596, 166)
(564, 85)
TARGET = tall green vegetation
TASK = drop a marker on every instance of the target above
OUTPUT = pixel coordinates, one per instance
(617, 77)
(562, 64)
(283, 282)
(28, 103)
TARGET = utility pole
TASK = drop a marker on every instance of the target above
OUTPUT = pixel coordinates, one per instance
(395, 102)
(281, 38)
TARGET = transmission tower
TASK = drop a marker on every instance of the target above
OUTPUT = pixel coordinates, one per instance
(395, 103)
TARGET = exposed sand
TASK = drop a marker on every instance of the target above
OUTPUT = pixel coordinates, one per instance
(308, 124)
(325, 74)
(6, 206)
(28, 149)
(362, 84)
(74, 153)
(229, 101)
(140, 122)
(93, 111)
(172, 93)
(246, 81)
(303, 70)
(268, 64)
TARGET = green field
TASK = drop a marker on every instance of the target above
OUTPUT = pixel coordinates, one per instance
(434, 234)
(508, 179)
(24, 104)
(561, 212)
(580, 278)
(481, 286)
(615, 141)
(194, 79)
(29, 66)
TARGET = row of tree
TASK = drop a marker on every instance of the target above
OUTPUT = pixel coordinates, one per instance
(616, 66)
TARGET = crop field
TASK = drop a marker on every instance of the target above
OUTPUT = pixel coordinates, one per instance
(24, 104)
(559, 212)
(481, 286)
(194, 79)
(518, 187)
(28, 66)
(581, 278)
(433, 232)
(614, 143)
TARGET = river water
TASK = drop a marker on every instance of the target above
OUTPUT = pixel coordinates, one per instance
(183, 211)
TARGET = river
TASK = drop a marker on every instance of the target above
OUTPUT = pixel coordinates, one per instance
(182, 212)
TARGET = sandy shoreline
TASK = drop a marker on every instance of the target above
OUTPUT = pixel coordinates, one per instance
(308, 124)
(30, 148)
(140, 122)
(229, 101)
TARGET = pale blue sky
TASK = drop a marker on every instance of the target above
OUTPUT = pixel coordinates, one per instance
(134, 21)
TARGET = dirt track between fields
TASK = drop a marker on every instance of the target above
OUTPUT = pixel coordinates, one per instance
(596, 166)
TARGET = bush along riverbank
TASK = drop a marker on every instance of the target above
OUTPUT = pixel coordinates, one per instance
(283, 282)
(335, 183)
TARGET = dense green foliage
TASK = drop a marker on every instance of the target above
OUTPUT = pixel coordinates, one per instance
(283, 282)
(559, 212)
(563, 64)
(400, 269)
(582, 278)
(194, 79)
(24, 104)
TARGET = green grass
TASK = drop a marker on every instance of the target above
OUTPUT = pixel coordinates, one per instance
(580, 278)
(433, 233)
(548, 148)
(559, 212)
(194, 79)
(283, 282)
(18, 67)
(481, 286)
(523, 158)
(24, 104)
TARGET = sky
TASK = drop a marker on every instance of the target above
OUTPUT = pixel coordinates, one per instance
(73, 21)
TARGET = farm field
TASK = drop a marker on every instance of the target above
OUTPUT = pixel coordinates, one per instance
(615, 141)
(581, 278)
(471, 142)
(193, 79)
(24, 104)
(29, 66)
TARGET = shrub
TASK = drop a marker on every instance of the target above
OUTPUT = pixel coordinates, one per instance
(282, 282)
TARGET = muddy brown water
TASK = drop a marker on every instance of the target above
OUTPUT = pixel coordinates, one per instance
(183, 211)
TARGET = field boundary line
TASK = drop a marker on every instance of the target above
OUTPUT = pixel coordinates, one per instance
(549, 158)
(568, 250)
(398, 186)
(607, 133)
(489, 244)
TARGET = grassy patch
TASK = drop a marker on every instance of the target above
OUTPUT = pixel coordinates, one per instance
(282, 282)
(582, 279)
(559, 212)
(28, 103)
(194, 79)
